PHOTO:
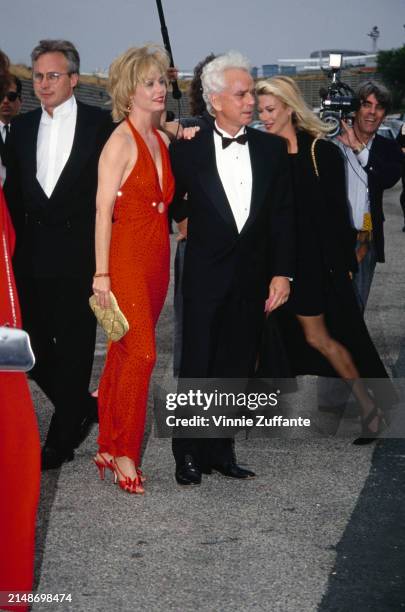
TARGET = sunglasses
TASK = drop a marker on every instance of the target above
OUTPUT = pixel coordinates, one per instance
(12, 96)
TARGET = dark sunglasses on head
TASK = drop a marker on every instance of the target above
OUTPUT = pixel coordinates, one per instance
(12, 96)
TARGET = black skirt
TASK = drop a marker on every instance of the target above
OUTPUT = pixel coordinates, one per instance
(284, 351)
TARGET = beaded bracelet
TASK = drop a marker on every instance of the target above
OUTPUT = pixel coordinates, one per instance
(101, 274)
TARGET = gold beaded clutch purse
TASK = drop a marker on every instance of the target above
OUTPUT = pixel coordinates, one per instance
(112, 320)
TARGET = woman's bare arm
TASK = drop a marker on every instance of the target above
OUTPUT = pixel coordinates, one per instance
(116, 161)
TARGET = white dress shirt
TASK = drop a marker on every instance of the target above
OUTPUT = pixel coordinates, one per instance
(3, 132)
(357, 182)
(235, 172)
(54, 144)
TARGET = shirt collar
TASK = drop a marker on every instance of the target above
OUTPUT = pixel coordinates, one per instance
(370, 142)
(63, 110)
(223, 133)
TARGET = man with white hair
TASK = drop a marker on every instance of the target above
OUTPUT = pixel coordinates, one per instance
(239, 254)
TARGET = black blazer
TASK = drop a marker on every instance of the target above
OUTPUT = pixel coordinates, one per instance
(55, 236)
(218, 258)
(325, 200)
(384, 169)
(3, 152)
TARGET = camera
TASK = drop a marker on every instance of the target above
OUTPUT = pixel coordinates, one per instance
(338, 101)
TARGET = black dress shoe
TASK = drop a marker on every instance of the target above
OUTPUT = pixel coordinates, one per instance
(52, 458)
(188, 473)
(232, 470)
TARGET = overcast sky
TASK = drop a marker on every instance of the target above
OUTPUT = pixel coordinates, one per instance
(264, 30)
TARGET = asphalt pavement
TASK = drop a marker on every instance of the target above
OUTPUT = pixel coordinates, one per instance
(320, 528)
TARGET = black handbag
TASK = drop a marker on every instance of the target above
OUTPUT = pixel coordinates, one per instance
(15, 348)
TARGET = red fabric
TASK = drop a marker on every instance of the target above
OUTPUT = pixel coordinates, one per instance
(19, 454)
(139, 269)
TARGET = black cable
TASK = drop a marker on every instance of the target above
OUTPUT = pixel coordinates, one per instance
(354, 169)
(179, 116)
(176, 93)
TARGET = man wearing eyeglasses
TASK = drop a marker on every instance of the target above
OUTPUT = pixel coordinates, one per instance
(51, 190)
(9, 107)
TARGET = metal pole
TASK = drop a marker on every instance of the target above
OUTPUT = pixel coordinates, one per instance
(166, 41)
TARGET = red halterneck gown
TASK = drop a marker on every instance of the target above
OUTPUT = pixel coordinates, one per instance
(139, 270)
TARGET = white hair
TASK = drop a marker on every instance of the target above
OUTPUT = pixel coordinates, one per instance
(212, 77)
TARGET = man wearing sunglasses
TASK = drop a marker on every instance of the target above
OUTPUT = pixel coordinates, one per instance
(51, 189)
(9, 107)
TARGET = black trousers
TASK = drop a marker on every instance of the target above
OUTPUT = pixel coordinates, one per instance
(220, 340)
(178, 306)
(62, 328)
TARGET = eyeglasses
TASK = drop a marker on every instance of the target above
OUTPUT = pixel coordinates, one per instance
(52, 77)
(12, 96)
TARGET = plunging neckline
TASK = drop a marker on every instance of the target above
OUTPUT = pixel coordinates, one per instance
(161, 145)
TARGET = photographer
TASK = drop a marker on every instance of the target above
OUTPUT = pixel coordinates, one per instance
(373, 164)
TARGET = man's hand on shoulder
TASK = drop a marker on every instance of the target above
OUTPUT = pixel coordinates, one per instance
(190, 132)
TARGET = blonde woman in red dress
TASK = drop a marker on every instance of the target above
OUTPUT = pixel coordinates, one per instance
(132, 254)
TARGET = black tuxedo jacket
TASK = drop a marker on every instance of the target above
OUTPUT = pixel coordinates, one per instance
(384, 169)
(55, 236)
(218, 258)
(3, 152)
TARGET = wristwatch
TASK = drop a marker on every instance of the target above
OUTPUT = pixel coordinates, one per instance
(359, 149)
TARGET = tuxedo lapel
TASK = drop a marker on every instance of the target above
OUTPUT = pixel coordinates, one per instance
(83, 144)
(2, 151)
(30, 152)
(210, 179)
(30, 149)
(260, 172)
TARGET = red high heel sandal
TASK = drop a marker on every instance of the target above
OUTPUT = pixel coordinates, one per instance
(140, 474)
(128, 484)
(102, 464)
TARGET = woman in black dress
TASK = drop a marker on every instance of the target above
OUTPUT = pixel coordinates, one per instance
(333, 332)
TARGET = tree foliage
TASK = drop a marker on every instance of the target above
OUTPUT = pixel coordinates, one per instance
(391, 66)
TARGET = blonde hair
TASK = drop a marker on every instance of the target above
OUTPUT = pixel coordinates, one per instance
(130, 69)
(287, 91)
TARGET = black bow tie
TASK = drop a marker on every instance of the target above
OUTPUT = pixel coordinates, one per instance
(241, 139)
